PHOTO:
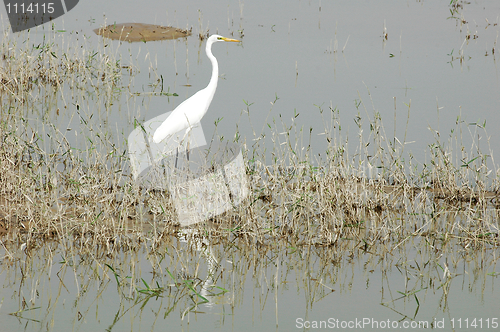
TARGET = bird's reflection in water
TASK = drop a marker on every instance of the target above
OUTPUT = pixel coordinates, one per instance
(193, 238)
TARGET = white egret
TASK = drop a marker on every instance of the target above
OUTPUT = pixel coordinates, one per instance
(190, 112)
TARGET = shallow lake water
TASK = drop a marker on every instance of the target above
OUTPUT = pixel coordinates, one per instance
(422, 66)
(294, 289)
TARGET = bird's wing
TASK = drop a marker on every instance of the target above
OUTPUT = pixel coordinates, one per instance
(186, 115)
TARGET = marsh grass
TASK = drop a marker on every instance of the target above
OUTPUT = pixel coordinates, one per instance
(307, 218)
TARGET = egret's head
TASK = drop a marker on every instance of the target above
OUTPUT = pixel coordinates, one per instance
(217, 38)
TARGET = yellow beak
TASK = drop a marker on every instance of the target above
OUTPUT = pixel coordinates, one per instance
(230, 40)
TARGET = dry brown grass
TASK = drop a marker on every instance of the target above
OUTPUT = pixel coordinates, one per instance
(316, 215)
(91, 197)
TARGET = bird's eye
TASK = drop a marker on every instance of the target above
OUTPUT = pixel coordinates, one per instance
(219, 38)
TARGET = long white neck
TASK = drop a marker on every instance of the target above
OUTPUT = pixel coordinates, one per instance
(215, 70)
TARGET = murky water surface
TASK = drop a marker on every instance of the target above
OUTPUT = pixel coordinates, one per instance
(428, 60)
(295, 288)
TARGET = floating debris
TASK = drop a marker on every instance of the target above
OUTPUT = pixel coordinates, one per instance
(135, 32)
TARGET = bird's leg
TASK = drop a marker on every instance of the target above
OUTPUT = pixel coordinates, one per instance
(187, 148)
(156, 167)
(176, 156)
(186, 134)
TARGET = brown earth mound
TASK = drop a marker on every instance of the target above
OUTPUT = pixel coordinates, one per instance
(134, 32)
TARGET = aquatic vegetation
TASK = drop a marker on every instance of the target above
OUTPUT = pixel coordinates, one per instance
(308, 219)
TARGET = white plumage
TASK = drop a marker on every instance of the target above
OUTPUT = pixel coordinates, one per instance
(190, 112)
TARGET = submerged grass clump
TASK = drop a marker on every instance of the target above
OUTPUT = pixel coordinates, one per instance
(89, 192)
(317, 214)
(37, 66)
